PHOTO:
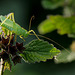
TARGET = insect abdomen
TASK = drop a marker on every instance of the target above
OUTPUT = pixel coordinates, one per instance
(7, 27)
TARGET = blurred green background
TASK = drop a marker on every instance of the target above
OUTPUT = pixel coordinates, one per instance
(23, 10)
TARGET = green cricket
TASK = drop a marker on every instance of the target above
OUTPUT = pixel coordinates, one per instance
(9, 23)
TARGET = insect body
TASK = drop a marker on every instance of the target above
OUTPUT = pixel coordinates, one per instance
(11, 25)
(14, 27)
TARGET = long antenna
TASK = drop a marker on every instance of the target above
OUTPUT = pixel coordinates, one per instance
(53, 42)
(30, 21)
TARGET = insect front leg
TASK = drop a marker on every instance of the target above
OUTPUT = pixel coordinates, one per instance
(34, 33)
(22, 38)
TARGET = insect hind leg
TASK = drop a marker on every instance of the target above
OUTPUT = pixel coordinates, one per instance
(34, 33)
(11, 16)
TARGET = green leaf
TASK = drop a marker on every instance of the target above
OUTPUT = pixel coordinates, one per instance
(52, 4)
(39, 50)
(65, 57)
(62, 57)
(71, 57)
(64, 25)
(46, 26)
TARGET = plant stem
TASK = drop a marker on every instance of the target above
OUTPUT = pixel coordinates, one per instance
(2, 67)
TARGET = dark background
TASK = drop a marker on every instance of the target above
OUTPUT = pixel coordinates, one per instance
(23, 10)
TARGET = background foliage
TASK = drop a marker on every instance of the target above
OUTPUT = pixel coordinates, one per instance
(23, 10)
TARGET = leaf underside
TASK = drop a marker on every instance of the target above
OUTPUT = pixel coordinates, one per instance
(65, 57)
(52, 4)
